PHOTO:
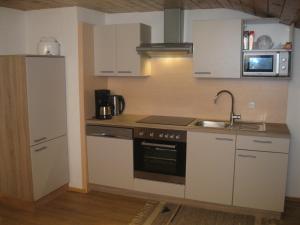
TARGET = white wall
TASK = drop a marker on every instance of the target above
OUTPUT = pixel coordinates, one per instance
(90, 16)
(156, 20)
(12, 29)
(293, 121)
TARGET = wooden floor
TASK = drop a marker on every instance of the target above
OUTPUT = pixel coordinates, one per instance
(97, 208)
(72, 208)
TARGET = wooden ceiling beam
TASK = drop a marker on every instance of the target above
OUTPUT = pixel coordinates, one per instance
(261, 8)
(287, 10)
(290, 12)
(276, 7)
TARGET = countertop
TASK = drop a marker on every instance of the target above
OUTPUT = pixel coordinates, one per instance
(129, 121)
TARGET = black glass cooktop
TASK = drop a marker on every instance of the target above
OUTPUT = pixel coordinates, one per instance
(167, 120)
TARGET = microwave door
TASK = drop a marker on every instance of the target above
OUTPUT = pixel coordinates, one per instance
(259, 65)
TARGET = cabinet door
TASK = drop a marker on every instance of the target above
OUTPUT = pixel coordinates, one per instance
(105, 50)
(128, 60)
(46, 91)
(110, 162)
(49, 166)
(217, 48)
(210, 167)
(260, 180)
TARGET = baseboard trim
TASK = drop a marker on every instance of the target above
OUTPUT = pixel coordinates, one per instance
(293, 199)
(78, 190)
(210, 206)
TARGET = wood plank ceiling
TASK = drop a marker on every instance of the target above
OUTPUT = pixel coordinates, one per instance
(288, 11)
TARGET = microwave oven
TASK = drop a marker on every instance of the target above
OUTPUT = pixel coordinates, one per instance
(266, 63)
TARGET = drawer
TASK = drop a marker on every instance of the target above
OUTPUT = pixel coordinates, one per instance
(267, 144)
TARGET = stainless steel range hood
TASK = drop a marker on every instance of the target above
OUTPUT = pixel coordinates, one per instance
(173, 37)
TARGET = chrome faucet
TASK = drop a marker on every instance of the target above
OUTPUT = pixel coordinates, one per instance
(233, 116)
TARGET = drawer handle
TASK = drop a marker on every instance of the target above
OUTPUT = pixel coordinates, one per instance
(107, 71)
(247, 156)
(224, 139)
(106, 135)
(40, 149)
(40, 139)
(262, 142)
(203, 73)
(124, 71)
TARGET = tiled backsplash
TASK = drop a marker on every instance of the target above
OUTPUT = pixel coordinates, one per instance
(172, 90)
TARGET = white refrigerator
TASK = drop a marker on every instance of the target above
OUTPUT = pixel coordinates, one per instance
(46, 93)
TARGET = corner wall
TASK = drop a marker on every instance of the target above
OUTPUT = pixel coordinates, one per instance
(12, 30)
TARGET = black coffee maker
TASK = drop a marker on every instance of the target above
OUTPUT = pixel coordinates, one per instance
(102, 104)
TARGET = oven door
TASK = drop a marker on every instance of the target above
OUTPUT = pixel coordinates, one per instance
(260, 64)
(160, 160)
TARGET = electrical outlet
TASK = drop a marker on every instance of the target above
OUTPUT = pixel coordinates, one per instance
(251, 105)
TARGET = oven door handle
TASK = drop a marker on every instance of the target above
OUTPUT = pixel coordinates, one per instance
(159, 158)
(158, 145)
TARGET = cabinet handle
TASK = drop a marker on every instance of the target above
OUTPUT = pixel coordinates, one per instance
(247, 156)
(124, 71)
(105, 135)
(40, 139)
(40, 149)
(224, 139)
(107, 71)
(203, 73)
(262, 142)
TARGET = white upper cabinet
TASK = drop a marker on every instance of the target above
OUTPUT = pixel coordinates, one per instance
(115, 49)
(105, 49)
(217, 48)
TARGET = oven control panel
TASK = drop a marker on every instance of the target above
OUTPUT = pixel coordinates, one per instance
(160, 134)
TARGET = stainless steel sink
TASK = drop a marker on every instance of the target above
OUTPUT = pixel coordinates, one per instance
(261, 127)
(213, 124)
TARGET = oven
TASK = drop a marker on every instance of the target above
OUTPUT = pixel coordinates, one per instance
(160, 155)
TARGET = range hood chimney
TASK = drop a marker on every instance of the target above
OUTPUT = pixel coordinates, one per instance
(173, 45)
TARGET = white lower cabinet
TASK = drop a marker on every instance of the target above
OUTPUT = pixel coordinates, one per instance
(49, 166)
(110, 161)
(260, 180)
(210, 167)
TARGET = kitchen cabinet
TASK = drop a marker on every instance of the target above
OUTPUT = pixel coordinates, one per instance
(105, 49)
(46, 93)
(49, 167)
(110, 159)
(261, 172)
(217, 48)
(34, 154)
(115, 50)
(210, 167)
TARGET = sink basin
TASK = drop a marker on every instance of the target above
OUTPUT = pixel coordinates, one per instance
(213, 124)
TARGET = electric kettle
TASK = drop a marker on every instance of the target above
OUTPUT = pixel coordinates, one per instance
(118, 104)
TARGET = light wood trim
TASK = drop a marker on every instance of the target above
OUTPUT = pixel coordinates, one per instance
(87, 84)
(78, 190)
(82, 108)
(203, 205)
(15, 162)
